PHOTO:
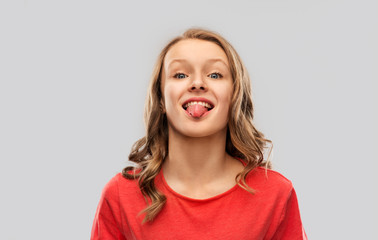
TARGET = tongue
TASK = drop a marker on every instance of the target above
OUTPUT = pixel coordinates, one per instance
(196, 110)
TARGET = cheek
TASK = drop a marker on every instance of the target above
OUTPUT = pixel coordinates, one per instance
(171, 96)
(225, 94)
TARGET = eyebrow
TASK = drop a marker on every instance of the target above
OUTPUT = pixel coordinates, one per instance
(209, 60)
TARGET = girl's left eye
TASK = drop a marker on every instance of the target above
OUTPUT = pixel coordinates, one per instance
(215, 75)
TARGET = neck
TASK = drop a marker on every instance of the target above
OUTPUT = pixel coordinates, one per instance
(198, 159)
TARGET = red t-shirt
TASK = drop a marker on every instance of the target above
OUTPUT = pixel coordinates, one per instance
(271, 213)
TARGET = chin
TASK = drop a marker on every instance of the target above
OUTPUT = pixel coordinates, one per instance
(200, 132)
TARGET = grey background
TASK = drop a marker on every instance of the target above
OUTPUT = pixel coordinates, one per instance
(74, 75)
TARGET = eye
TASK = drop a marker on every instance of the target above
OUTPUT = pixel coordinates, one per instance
(215, 75)
(179, 75)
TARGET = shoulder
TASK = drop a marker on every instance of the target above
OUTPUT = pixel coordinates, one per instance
(268, 180)
(118, 184)
(111, 187)
(124, 191)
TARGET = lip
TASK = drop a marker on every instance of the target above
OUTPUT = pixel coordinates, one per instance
(199, 99)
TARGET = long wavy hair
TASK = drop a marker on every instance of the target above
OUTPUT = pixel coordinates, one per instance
(243, 141)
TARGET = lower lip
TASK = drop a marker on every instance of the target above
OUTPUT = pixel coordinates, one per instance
(204, 115)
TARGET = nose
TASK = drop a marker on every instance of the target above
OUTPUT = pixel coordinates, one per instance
(198, 84)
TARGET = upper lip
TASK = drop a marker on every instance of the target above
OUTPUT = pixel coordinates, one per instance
(198, 99)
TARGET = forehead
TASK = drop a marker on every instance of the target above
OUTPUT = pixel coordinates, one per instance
(195, 51)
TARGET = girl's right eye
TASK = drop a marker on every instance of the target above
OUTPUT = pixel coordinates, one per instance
(179, 75)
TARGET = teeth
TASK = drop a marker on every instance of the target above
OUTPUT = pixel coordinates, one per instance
(200, 103)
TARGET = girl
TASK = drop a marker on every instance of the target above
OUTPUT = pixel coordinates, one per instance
(200, 171)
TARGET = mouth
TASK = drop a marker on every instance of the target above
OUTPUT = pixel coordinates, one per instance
(197, 107)
(204, 104)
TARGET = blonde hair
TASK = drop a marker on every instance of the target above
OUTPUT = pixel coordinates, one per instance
(243, 141)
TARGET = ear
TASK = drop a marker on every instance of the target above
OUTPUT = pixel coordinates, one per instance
(162, 106)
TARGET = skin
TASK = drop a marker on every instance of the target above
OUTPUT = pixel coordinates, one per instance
(197, 165)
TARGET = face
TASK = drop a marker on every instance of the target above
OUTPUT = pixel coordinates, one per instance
(197, 88)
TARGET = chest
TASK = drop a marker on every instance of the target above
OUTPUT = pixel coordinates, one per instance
(238, 216)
